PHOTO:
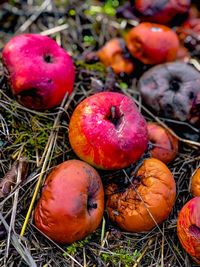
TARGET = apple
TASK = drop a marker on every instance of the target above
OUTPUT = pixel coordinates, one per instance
(195, 184)
(39, 71)
(188, 228)
(152, 43)
(107, 131)
(146, 201)
(112, 54)
(72, 202)
(161, 11)
(165, 145)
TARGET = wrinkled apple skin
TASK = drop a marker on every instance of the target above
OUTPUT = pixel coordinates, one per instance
(165, 145)
(152, 191)
(152, 43)
(195, 184)
(39, 71)
(188, 228)
(72, 202)
(96, 139)
(161, 11)
(111, 55)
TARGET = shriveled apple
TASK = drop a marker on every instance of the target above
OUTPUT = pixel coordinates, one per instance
(72, 202)
(39, 71)
(188, 228)
(107, 131)
(147, 201)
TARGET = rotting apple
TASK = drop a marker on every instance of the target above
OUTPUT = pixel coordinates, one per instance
(152, 43)
(147, 201)
(112, 55)
(195, 183)
(165, 145)
(39, 71)
(107, 131)
(72, 202)
(172, 90)
(161, 11)
(188, 228)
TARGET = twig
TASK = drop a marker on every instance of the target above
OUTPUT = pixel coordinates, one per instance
(143, 252)
(55, 29)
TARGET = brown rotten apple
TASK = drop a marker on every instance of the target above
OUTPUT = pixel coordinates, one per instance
(148, 200)
(39, 71)
(72, 202)
(107, 131)
(188, 228)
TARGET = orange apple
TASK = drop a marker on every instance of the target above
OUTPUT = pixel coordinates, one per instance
(72, 202)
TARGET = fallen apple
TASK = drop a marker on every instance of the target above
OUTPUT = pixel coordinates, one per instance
(147, 201)
(162, 11)
(152, 43)
(195, 184)
(107, 131)
(188, 228)
(165, 145)
(72, 202)
(112, 55)
(39, 71)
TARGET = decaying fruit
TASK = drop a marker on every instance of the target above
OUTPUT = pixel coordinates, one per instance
(165, 145)
(152, 43)
(146, 202)
(112, 55)
(72, 202)
(188, 228)
(195, 184)
(172, 90)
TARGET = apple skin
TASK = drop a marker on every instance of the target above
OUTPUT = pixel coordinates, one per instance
(111, 55)
(195, 184)
(103, 143)
(153, 191)
(188, 228)
(152, 43)
(161, 11)
(39, 71)
(72, 202)
(165, 145)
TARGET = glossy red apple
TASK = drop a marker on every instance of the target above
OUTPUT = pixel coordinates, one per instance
(107, 131)
(188, 228)
(195, 184)
(165, 145)
(72, 202)
(152, 43)
(39, 71)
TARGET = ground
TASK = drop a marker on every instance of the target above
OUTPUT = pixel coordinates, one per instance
(80, 27)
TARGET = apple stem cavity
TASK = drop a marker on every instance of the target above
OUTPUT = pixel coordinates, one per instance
(48, 58)
(91, 204)
(194, 230)
(114, 117)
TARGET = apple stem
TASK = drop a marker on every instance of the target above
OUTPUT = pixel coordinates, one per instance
(113, 113)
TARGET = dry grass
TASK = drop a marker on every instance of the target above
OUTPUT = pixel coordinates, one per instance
(42, 138)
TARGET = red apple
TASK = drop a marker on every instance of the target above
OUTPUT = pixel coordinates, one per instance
(165, 145)
(39, 71)
(72, 202)
(161, 11)
(152, 43)
(195, 183)
(188, 228)
(107, 131)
